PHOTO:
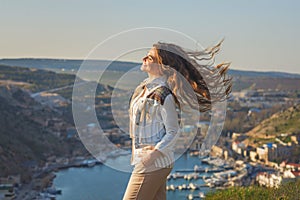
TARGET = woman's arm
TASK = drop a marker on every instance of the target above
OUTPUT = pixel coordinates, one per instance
(170, 120)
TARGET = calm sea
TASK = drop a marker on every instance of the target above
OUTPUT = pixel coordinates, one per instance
(104, 183)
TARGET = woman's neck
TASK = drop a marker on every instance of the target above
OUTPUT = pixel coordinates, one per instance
(153, 76)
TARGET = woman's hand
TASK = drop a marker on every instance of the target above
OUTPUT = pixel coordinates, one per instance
(150, 157)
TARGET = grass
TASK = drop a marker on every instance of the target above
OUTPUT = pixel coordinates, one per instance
(287, 191)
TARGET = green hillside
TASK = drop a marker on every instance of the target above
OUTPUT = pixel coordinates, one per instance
(288, 190)
(280, 125)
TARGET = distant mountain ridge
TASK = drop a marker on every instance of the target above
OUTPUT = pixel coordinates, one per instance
(69, 64)
(48, 64)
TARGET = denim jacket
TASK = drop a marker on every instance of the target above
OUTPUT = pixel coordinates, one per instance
(154, 122)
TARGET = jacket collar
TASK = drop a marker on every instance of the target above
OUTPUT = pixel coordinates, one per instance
(162, 80)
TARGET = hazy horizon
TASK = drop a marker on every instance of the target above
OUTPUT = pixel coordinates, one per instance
(69, 59)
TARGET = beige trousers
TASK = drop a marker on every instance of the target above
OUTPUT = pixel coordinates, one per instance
(147, 183)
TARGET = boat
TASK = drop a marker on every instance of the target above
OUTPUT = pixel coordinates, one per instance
(191, 176)
(182, 187)
(177, 175)
(90, 163)
(225, 174)
(199, 196)
(53, 191)
(213, 181)
(190, 197)
(171, 187)
(45, 195)
(192, 186)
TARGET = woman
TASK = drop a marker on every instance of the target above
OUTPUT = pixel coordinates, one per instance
(175, 80)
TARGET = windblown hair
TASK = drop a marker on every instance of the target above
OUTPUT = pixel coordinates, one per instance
(209, 83)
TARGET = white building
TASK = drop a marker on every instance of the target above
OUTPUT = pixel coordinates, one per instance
(268, 180)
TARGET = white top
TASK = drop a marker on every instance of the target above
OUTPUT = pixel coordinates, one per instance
(154, 124)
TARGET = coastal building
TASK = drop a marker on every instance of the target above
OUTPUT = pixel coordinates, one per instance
(246, 151)
(288, 174)
(268, 179)
(253, 155)
(273, 152)
(217, 151)
(238, 147)
(293, 166)
(262, 153)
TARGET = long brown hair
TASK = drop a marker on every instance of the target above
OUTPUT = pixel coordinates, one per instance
(209, 83)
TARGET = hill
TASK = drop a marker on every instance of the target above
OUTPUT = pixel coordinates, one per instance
(241, 79)
(279, 125)
(266, 83)
(36, 127)
(35, 79)
(27, 137)
(51, 64)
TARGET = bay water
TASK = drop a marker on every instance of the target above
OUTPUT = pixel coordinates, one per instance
(102, 182)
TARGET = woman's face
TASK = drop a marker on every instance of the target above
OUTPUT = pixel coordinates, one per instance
(150, 64)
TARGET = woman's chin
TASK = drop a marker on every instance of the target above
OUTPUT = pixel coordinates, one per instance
(143, 68)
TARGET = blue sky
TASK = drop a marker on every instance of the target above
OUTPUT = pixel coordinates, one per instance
(260, 35)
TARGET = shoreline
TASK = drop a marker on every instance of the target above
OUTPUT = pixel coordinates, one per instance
(29, 190)
(212, 182)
